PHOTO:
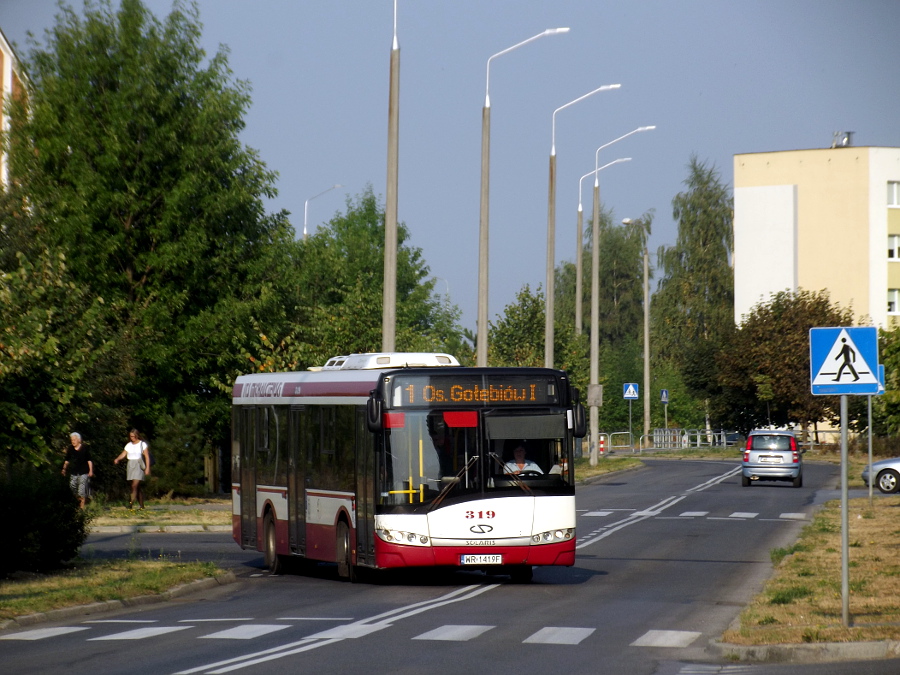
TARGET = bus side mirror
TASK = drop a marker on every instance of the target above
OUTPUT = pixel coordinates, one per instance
(580, 425)
(373, 414)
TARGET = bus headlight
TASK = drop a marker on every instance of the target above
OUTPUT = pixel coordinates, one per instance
(400, 537)
(553, 536)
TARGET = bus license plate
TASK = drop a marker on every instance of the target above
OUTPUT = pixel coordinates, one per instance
(481, 559)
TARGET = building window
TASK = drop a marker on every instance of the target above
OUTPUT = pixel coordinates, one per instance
(893, 193)
(894, 301)
(894, 247)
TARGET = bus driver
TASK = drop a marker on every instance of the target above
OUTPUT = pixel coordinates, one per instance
(519, 463)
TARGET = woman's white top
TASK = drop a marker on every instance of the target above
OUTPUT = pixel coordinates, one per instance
(135, 450)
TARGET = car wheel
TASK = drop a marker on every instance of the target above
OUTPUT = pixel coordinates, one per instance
(798, 481)
(888, 481)
(745, 482)
(273, 560)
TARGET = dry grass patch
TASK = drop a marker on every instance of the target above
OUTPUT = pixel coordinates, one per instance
(802, 601)
(91, 581)
(164, 512)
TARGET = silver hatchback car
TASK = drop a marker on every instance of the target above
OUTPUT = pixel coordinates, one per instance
(772, 455)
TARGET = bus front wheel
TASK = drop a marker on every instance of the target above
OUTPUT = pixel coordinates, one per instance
(344, 556)
(272, 559)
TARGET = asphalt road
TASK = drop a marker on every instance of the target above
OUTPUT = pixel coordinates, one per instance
(667, 557)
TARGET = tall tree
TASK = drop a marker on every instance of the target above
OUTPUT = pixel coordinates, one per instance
(339, 308)
(693, 308)
(763, 370)
(130, 157)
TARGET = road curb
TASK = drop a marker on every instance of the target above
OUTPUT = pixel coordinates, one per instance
(821, 652)
(76, 611)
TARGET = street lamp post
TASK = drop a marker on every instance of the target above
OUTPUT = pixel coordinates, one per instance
(551, 230)
(306, 205)
(595, 299)
(578, 259)
(481, 350)
(389, 302)
(646, 257)
(594, 384)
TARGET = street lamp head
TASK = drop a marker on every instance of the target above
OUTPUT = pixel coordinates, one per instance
(556, 31)
(626, 221)
(650, 128)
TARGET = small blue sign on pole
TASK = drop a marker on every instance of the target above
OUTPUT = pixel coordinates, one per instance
(630, 391)
(664, 396)
(844, 361)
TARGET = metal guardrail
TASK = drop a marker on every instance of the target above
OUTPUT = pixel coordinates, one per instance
(670, 439)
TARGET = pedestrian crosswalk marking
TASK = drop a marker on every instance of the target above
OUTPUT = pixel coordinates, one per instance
(41, 633)
(245, 632)
(666, 638)
(694, 514)
(454, 633)
(141, 633)
(743, 514)
(555, 635)
(793, 516)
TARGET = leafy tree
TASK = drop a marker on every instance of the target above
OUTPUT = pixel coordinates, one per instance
(693, 308)
(886, 408)
(517, 338)
(764, 368)
(339, 308)
(130, 157)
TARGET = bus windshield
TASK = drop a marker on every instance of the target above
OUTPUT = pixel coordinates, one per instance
(431, 455)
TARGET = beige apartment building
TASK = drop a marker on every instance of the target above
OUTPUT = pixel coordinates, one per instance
(10, 86)
(822, 219)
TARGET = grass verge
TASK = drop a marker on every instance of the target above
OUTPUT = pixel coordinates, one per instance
(802, 602)
(87, 582)
(162, 512)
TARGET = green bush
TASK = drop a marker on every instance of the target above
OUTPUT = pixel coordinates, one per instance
(43, 526)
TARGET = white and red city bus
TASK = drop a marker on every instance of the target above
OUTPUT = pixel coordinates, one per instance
(384, 460)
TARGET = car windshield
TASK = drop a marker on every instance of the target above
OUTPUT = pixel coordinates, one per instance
(771, 442)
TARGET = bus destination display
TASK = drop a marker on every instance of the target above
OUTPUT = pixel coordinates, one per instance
(437, 390)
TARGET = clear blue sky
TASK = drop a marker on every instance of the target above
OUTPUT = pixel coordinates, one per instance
(717, 78)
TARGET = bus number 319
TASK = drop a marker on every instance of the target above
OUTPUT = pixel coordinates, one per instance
(480, 514)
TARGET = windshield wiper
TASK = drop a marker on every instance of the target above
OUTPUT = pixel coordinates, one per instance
(452, 482)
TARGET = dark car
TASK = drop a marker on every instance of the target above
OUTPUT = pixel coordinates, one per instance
(772, 455)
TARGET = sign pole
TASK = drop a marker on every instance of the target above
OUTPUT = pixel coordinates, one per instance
(845, 546)
(869, 401)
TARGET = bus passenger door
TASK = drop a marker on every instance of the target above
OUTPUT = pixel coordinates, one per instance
(248, 476)
(365, 490)
(297, 481)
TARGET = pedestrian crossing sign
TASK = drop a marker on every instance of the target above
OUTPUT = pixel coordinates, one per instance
(630, 391)
(844, 361)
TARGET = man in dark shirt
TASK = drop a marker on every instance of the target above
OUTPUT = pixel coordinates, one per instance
(80, 467)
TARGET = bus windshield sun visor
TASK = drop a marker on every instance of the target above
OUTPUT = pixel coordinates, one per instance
(532, 426)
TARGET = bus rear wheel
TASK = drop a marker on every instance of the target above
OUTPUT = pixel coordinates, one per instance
(344, 553)
(272, 559)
